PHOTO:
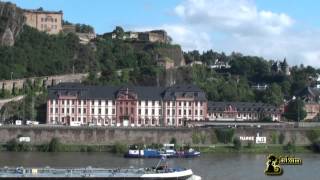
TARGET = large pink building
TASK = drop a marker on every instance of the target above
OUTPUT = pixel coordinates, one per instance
(76, 104)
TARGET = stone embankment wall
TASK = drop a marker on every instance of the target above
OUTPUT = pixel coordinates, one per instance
(45, 80)
(90, 135)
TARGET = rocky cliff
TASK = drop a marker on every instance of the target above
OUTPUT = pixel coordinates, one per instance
(11, 23)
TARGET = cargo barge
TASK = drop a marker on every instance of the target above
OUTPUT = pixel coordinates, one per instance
(160, 171)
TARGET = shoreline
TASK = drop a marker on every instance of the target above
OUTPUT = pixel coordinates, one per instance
(122, 148)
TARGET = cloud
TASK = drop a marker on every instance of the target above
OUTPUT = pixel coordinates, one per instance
(235, 16)
(238, 25)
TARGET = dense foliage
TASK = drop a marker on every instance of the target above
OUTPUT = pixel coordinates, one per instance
(39, 54)
(295, 110)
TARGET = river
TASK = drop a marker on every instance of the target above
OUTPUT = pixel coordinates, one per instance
(208, 166)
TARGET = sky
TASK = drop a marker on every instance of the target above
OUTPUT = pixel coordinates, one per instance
(273, 29)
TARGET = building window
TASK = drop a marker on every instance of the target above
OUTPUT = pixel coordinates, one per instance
(72, 110)
(107, 111)
(99, 111)
(68, 111)
(41, 20)
(201, 103)
(62, 102)
(168, 111)
(189, 103)
(79, 102)
(84, 110)
(196, 112)
(139, 111)
(146, 111)
(120, 110)
(179, 103)
(99, 102)
(68, 102)
(84, 102)
(146, 121)
(56, 110)
(160, 112)
(189, 112)
(92, 102)
(79, 110)
(173, 112)
(51, 110)
(127, 110)
(72, 102)
(139, 121)
(184, 112)
(139, 103)
(173, 103)
(179, 111)
(113, 111)
(113, 103)
(153, 103)
(51, 102)
(152, 111)
(185, 103)
(168, 103)
(55, 19)
(79, 119)
(200, 112)
(92, 111)
(131, 110)
(84, 120)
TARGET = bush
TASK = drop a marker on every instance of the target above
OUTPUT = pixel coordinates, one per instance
(315, 146)
(313, 135)
(24, 147)
(12, 145)
(290, 147)
(250, 145)
(119, 148)
(54, 145)
(237, 143)
(173, 140)
(224, 135)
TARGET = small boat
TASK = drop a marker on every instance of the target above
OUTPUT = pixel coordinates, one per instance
(157, 172)
(190, 153)
(168, 151)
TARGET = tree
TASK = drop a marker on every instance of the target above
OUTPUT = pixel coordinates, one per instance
(119, 32)
(295, 110)
(273, 95)
(237, 143)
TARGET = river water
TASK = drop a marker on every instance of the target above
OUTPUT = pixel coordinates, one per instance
(208, 166)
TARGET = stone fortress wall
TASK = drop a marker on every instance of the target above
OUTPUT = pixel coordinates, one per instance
(44, 80)
(108, 136)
